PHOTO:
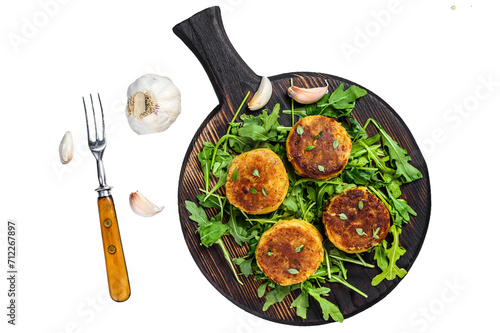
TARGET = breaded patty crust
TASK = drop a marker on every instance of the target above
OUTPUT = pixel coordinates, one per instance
(257, 181)
(356, 220)
(318, 147)
(290, 251)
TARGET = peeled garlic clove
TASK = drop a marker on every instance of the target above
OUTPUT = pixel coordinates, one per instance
(142, 206)
(154, 102)
(262, 95)
(307, 95)
(66, 148)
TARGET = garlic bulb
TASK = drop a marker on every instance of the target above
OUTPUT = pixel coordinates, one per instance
(142, 206)
(66, 148)
(154, 102)
(307, 95)
(262, 95)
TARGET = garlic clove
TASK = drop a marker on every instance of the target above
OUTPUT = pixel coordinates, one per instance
(153, 104)
(142, 206)
(307, 95)
(262, 95)
(66, 149)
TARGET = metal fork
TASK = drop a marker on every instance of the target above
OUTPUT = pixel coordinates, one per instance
(119, 287)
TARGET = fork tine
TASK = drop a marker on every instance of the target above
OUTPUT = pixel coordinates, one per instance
(102, 116)
(86, 118)
(95, 124)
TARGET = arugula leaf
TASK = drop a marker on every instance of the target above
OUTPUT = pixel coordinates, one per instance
(210, 231)
(339, 103)
(221, 182)
(245, 265)
(393, 254)
(276, 295)
(205, 158)
(254, 132)
(328, 308)
(271, 121)
(261, 290)
(398, 156)
(401, 208)
(381, 255)
(237, 228)
(301, 303)
(197, 214)
(341, 99)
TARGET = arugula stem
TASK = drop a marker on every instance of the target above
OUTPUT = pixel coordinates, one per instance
(293, 115)
(228, 259)
(328, 271)
(224, 138)
(284, 128)
(309, 208)
(220, 183)
(381, 196)
(234, 118)
(368, 121)
(338, 279)
(354, 261)
(364, 263)
(215, 195)
(261, 220)
(301, 112)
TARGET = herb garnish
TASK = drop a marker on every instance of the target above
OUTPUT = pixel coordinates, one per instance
(321, 168)
(335, 144)
(293, 271)
(300, 130)
(299, 248)
(255, 172)
(360, 232)
(310, 147)
(317, 136)
(252, 190)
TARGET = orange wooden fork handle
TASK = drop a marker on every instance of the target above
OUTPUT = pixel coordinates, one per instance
(119, 287)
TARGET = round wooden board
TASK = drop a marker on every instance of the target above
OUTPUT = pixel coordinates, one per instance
(204, 34)
(211, 260)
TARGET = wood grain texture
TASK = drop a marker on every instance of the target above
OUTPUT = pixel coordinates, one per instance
(116, 268)
(204, 34)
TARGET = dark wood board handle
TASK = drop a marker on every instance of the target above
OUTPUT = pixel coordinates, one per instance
(205, 36)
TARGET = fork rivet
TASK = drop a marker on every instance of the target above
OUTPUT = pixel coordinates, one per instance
(111, 249)
(107, 223)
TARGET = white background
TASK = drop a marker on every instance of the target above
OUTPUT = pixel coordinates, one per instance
(437, 67)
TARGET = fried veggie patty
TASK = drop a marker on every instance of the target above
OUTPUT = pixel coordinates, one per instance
(356, 220)
(318, 147)
(290, 251)
(257, 182)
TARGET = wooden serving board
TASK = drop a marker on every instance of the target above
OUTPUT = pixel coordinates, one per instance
(231, 78)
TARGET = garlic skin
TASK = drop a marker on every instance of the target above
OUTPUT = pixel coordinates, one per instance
(142, 206)
(66, 149)
(307, 95)
(154, 102)
(262, 95)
